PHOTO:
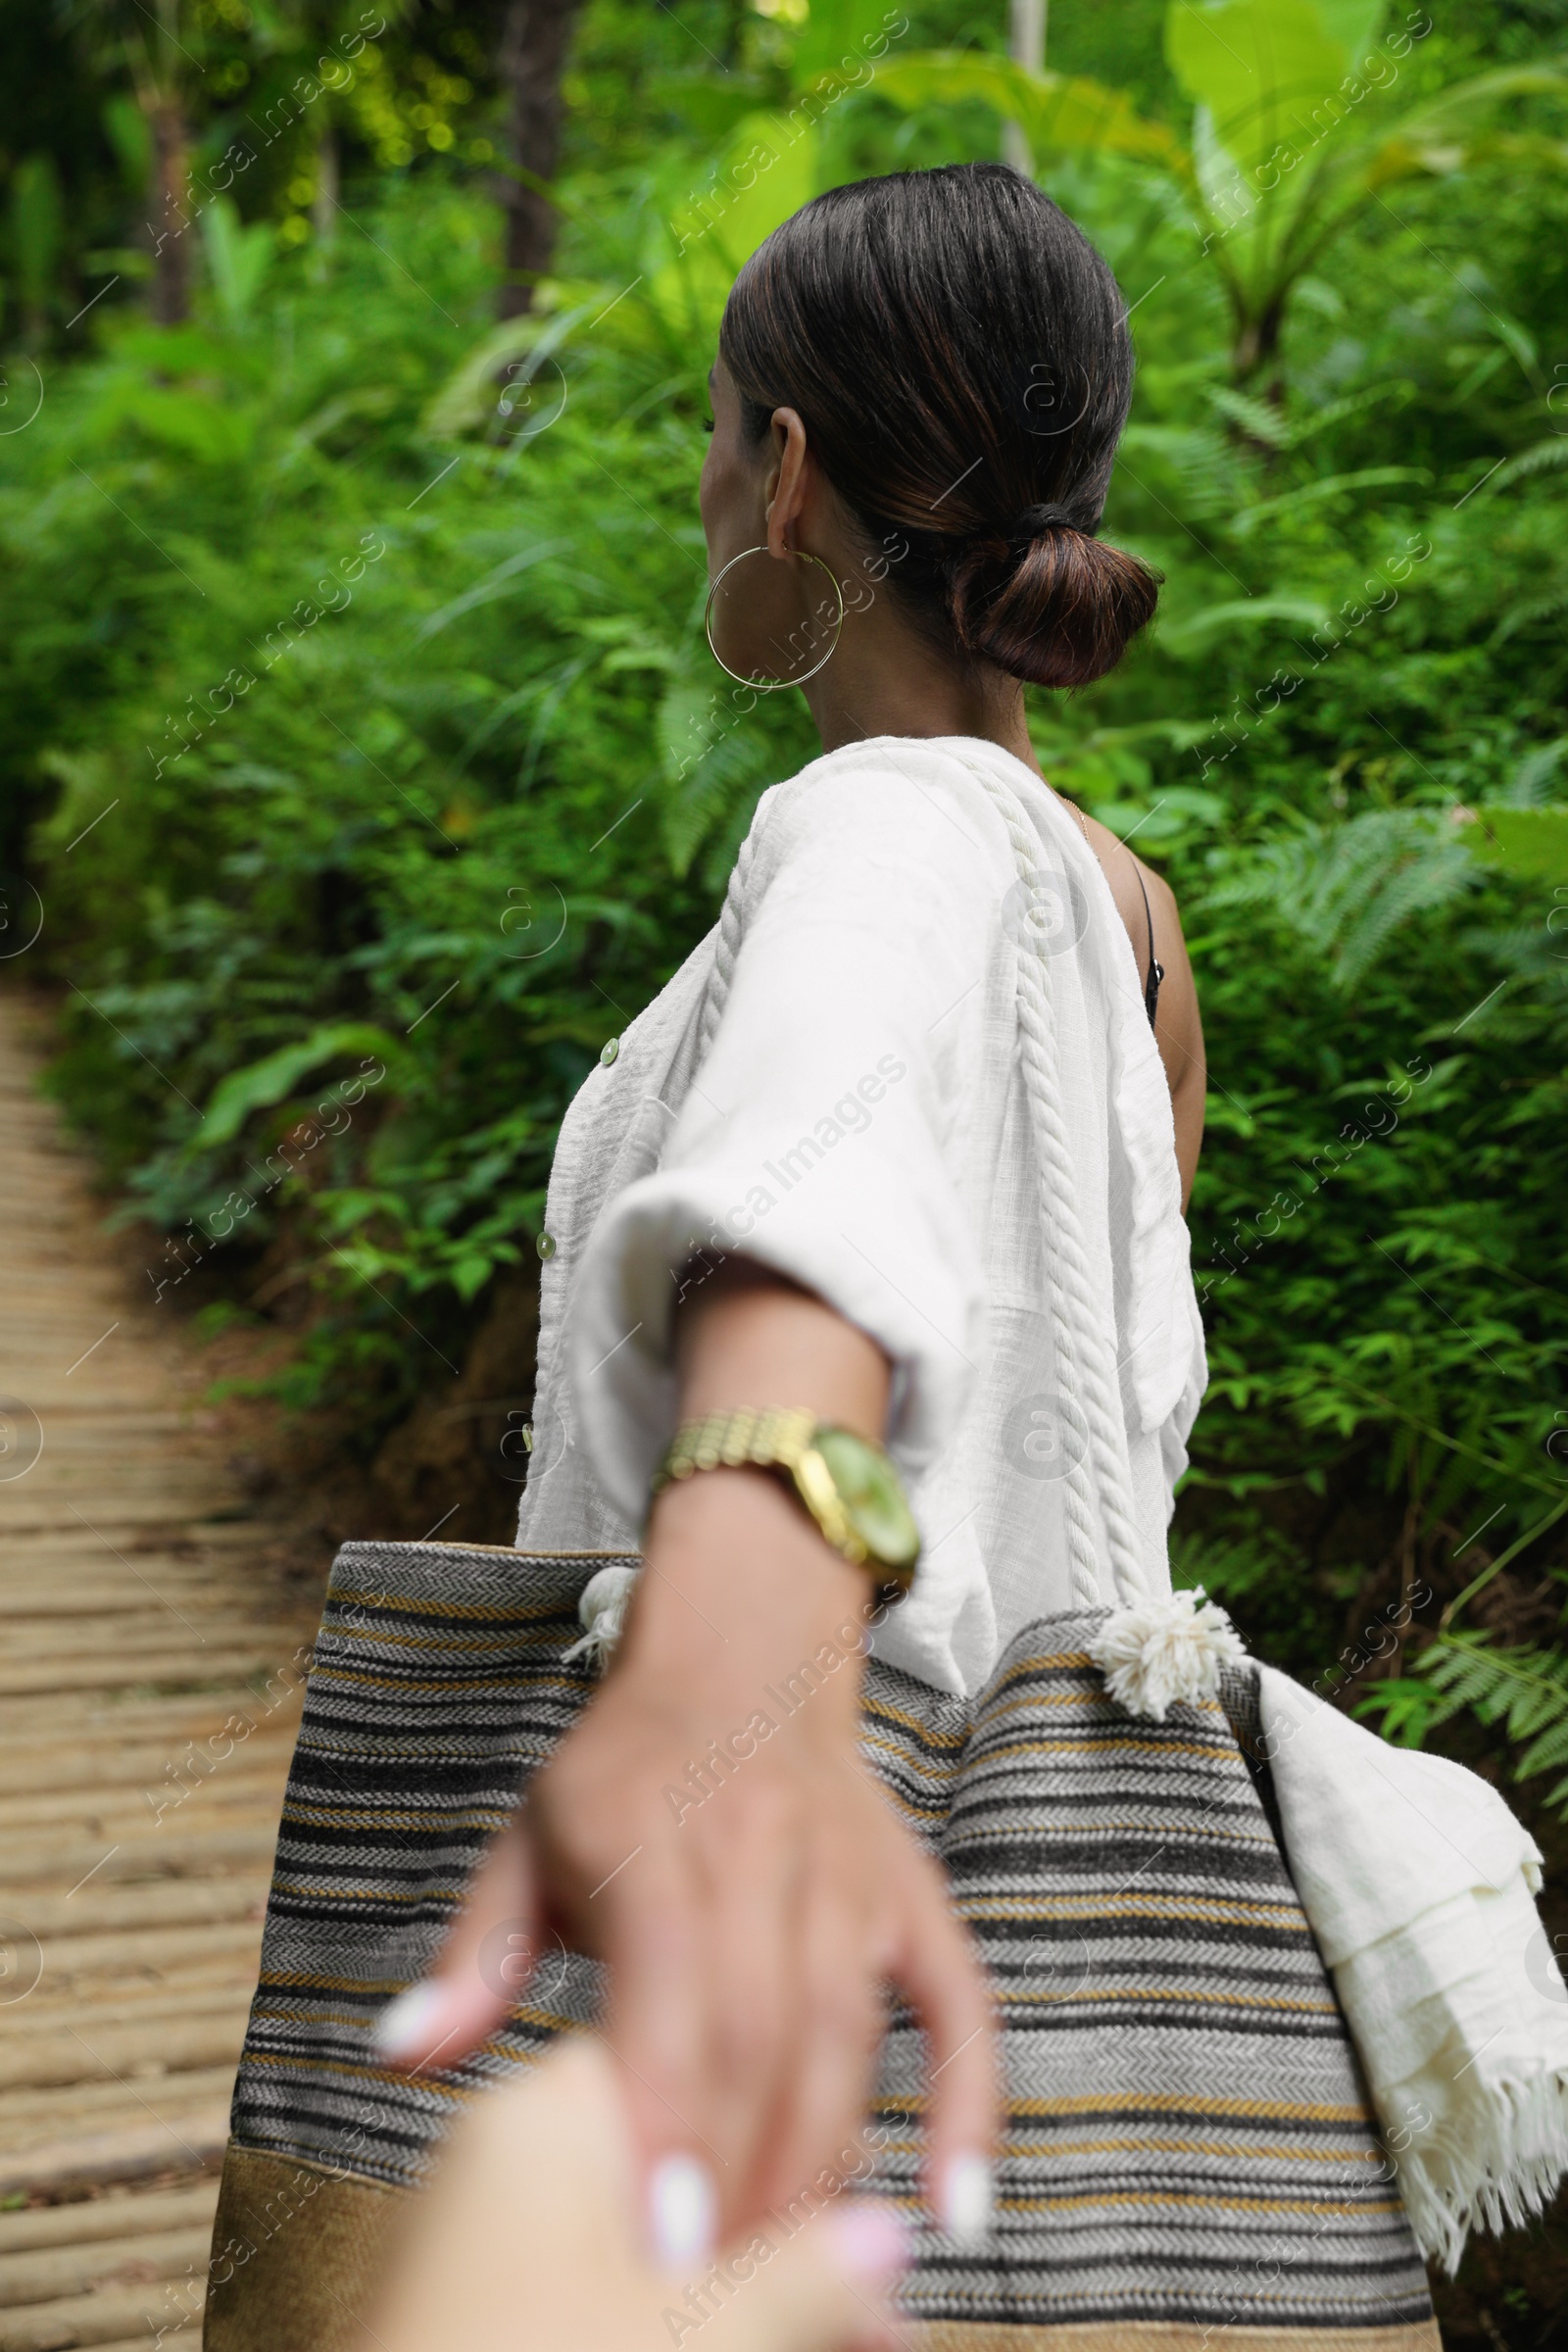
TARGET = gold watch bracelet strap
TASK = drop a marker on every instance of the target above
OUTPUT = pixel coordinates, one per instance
(767, 1437)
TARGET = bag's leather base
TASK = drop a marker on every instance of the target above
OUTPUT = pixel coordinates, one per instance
(310, 2246)
(299, 2251)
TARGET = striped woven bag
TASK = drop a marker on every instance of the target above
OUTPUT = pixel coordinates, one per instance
(1190, 2152)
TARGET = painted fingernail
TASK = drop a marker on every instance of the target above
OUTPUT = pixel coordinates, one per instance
(408, 2024)
(968, 2198)
(682, 2211)
(871, 2240)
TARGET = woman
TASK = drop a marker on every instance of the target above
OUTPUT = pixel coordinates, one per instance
(904, 1149)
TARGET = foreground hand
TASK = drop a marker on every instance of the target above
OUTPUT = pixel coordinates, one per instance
(527, 2241)
(750, 1930)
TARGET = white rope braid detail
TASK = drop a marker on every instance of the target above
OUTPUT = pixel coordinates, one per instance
(1086, 1362)
(725, 950)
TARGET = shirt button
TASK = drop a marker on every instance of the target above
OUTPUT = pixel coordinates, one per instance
(545, 1244)
(607, 1055)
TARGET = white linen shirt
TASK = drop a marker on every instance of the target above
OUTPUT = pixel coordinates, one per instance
(858, 1120)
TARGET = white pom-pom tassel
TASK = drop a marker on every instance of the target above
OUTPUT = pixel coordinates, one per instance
(602, 1612)
(1166, 1653)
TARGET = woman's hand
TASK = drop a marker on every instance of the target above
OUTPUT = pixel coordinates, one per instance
(527, 2240)
(709, 1828)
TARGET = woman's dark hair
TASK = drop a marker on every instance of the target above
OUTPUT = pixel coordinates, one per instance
(959, 354)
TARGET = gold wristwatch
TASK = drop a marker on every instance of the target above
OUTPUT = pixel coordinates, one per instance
(846, 1482)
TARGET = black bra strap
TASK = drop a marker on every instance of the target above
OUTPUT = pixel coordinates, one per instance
(1156, 970)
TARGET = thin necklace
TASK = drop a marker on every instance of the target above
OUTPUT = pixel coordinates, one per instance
(1083, 827)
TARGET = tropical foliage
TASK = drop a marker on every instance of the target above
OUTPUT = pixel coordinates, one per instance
(365, 762)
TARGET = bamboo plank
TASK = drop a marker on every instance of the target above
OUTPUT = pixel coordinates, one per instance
(58, 2272)
(127, 2312)
(37, 2061)
(98, 2220)
(153, 1672)
(83, 1765)
(47, 1865)
(115, 1913)
(164, 2108)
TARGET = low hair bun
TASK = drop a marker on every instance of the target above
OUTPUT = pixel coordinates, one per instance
(1061, 612)
(960, 355)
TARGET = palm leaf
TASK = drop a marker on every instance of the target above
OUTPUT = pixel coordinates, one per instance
(1054, 111)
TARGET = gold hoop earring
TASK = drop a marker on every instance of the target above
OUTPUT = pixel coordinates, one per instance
(772, 685)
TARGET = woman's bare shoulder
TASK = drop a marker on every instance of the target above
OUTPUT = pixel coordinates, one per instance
(1178, 1026)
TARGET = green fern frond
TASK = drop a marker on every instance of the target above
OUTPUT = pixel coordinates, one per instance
(1542, 456)
(1409, 1706)
(1521, 616)
(710, 760)
(1347, 888)
(1261, 419)
(1312, 421)
(1522, 1693)
(1212, 478)
(1548, 1753)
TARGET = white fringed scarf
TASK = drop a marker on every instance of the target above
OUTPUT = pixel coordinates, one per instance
(1419, 1885)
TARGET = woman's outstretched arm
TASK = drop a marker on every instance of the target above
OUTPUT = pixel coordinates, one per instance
(710, 1830)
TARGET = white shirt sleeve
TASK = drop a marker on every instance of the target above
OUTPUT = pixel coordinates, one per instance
(811, 1139)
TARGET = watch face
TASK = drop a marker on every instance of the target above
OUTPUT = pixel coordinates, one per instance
(872, 1499)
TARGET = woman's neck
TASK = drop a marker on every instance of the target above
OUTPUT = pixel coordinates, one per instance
(881, 679)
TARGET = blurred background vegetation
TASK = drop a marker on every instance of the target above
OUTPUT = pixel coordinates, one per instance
(362, 761)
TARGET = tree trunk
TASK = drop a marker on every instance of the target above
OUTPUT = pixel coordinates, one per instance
(170, 224)
(532, 59)
(1256, 350)
(1026, 46)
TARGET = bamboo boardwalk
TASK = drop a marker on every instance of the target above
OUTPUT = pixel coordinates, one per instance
(149, 1693)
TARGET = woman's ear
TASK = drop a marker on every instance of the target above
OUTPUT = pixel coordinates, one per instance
(784, 494)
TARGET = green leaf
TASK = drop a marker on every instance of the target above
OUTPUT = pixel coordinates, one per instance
(1524, 1692)
(767, 173)
(237, 258)
(1353, 24)
(469, 1273)
(1542, 456)
(275, 1078)
(1055, 111)
(1410, 1707)
(1199, 628)
(1441, 136)
(1531, 843)
(1345, 889)
(1328, 486)
(468, 399)
(711, 758)
(1259, 67)
(840, 36)
(1180, 810)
